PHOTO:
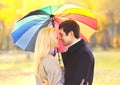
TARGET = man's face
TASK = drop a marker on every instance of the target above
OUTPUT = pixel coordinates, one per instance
(66, 39)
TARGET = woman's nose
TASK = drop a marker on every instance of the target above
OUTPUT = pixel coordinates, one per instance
(59, 38)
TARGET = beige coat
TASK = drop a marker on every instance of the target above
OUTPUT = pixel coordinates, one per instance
(51, 71)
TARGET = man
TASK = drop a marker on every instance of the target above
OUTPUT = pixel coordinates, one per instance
(78, 59)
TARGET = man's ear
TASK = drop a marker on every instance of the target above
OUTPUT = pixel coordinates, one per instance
(71, 33)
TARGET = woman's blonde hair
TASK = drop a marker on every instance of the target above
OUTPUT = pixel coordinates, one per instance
(44, 43)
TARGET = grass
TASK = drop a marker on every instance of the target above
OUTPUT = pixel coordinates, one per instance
(107, 70)
(16, 69)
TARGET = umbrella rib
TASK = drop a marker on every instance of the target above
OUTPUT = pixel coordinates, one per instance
(36, 12)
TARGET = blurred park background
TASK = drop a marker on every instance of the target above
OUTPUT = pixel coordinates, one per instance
(16, 66)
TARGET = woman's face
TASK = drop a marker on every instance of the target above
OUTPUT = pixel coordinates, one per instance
(56, 41)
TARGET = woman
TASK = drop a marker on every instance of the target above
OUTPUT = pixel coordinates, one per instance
(46, 67)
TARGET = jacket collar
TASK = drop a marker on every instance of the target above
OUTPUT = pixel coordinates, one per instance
(77, 45)
(75, 42)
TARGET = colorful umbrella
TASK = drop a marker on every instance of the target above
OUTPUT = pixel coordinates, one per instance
(26, 29)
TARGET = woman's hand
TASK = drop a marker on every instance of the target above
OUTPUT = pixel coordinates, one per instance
(45, 82)
(82, 82)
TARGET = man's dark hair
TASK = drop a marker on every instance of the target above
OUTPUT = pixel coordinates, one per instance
(70, 25)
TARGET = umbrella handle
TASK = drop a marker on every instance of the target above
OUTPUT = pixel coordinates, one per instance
(59, 60)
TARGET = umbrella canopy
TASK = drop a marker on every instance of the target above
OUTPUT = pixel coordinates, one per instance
(26, 29)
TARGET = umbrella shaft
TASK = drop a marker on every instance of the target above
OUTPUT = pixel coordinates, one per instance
(52, 22)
